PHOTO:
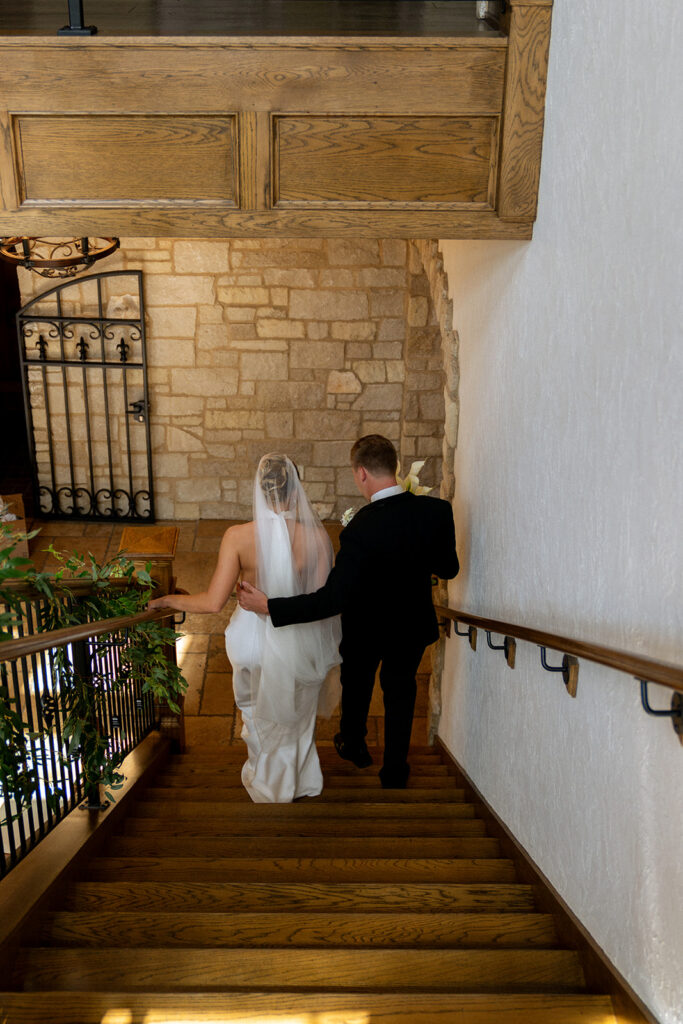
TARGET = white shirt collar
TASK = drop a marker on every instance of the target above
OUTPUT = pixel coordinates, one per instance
(387, 492)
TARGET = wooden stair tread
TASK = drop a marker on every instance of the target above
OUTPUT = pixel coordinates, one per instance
(215, 810)
(425, 897)
(292, 929)
(404, 827)
(331, 781)
(381, 847)
(347, 794)
(229, 969)
(422, 775)
(370, 779)
(236, 754)
(284, 1007)
(327, 756)
(292, 869)
(237, 750)
(329, 766)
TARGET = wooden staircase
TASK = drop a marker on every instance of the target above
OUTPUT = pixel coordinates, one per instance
(361, 906)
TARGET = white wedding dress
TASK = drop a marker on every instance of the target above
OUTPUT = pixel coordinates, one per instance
(283, 678)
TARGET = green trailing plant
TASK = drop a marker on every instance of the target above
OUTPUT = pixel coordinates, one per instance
(18, 775)
(12, 568)
(78, 691)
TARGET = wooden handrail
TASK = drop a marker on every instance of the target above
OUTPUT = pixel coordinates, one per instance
(650, 669)
(28, 645)
(77, 587)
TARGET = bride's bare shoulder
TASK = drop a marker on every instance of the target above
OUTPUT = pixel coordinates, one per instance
(241, 534)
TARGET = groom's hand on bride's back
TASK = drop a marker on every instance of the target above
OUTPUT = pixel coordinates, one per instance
(251, 599)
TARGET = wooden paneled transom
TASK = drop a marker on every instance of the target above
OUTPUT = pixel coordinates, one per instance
(430, 124)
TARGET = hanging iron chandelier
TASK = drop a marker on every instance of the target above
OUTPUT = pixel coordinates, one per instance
(54, 257)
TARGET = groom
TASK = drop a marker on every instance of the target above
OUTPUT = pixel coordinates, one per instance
(381, 584)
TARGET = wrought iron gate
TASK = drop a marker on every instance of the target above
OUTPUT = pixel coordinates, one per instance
(84, 373)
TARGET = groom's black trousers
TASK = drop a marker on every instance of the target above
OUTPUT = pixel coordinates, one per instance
(360, 658)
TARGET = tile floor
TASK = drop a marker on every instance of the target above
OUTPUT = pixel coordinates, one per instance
(211, 718)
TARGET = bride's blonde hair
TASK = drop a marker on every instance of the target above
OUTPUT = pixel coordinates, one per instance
(275, 477)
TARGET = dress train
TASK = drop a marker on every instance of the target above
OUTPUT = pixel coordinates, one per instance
(282, 761)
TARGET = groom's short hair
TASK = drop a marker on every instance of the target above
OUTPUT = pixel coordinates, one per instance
(376, 454)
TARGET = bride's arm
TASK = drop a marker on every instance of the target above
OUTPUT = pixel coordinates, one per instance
(222, 584)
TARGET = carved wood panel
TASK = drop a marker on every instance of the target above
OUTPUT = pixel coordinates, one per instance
(354, 161)
(126, 157)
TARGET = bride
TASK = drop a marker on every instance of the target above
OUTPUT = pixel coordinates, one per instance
(282, 677)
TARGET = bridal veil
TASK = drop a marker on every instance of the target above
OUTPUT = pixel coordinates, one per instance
(293, 556)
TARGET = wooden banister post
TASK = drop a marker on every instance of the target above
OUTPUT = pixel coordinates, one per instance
(157, 545)
(526, 72)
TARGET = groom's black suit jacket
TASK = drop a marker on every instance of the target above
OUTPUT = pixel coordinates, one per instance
(381, 579)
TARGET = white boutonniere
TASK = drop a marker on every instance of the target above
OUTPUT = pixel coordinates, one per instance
(411, 482)
(347, 516)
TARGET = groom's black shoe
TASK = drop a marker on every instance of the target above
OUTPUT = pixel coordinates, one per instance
(394, 779)
(358, 754)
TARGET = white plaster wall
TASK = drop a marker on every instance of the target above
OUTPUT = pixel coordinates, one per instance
(569, 489)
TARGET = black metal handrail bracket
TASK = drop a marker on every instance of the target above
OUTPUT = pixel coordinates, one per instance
(470, 632)
(509, 645)
(569, 669)
(675, 712)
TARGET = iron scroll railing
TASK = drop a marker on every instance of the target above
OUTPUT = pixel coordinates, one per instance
(645, 670)
(84, 376)
(30, 667)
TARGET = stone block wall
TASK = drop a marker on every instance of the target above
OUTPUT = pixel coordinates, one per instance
(423, 409)
(427, 255)
(299, 345)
